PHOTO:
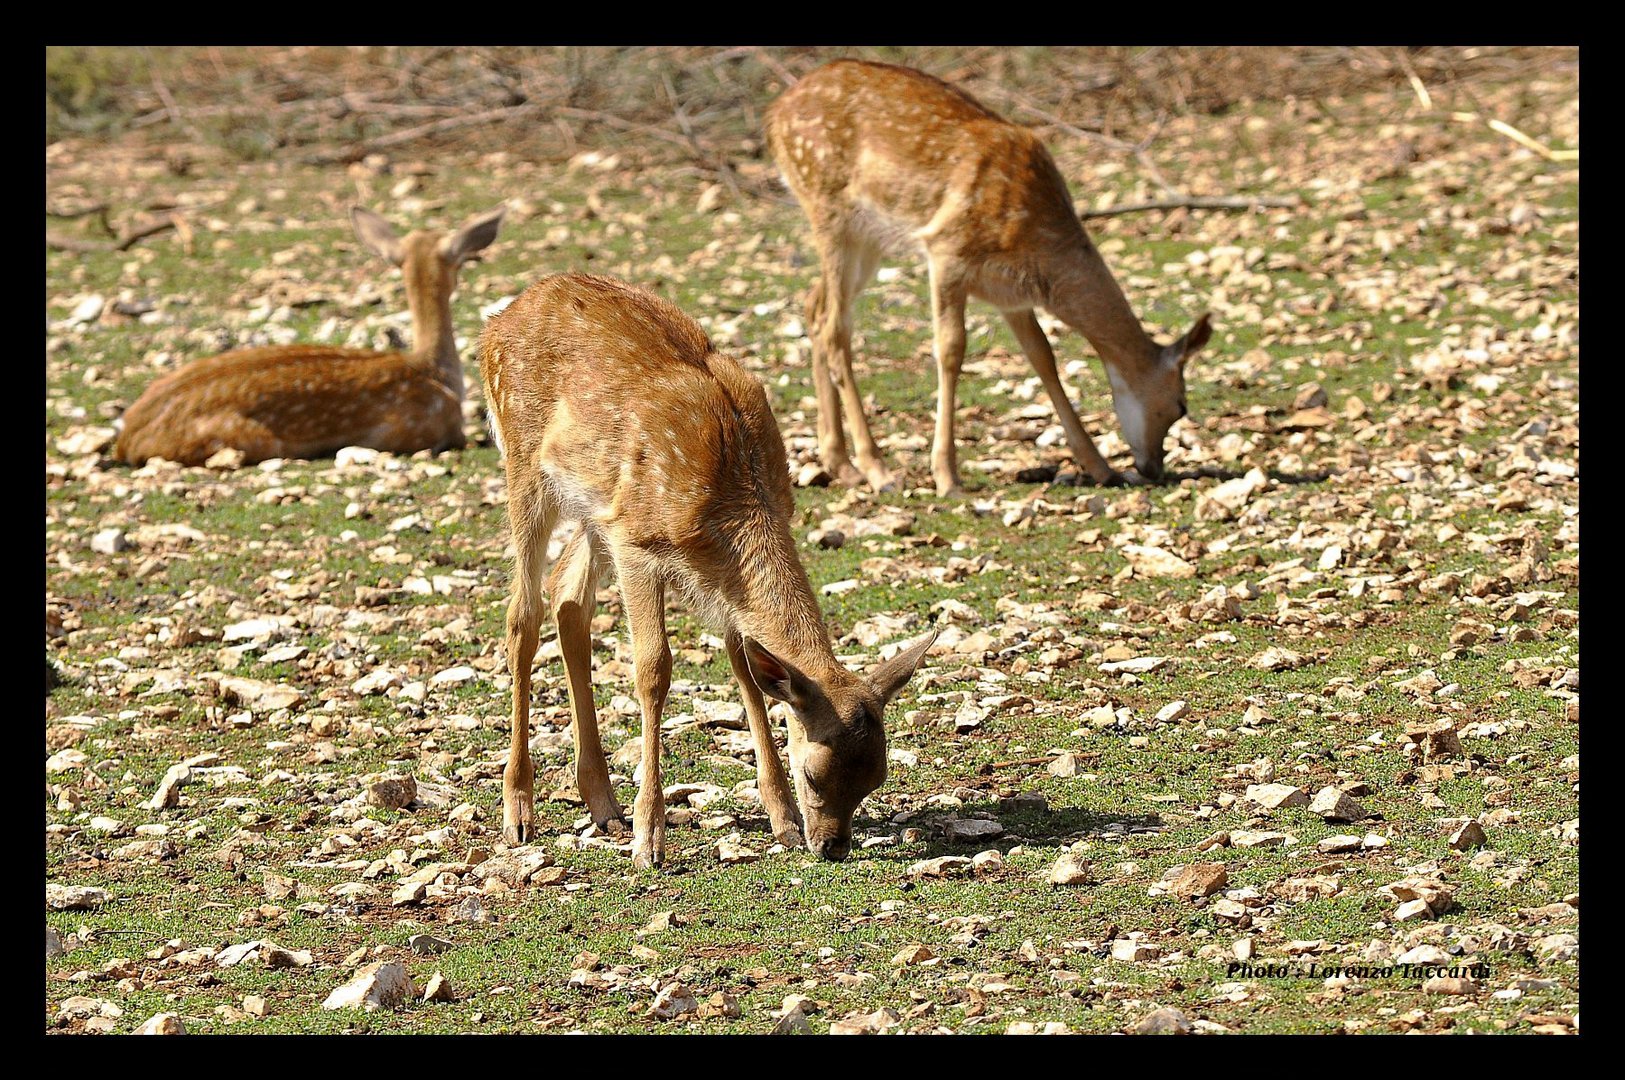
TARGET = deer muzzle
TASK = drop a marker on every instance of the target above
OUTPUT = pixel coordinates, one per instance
(834, 848)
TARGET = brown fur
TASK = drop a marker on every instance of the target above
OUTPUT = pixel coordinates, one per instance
(881, 156)
(305, 401)
(616, 411)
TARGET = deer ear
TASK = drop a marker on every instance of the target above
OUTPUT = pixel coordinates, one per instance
(887, 679)
(773, 677)
(1196, 338)
(474, 236)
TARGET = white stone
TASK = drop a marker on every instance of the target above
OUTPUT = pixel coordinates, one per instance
(1172, 711)
(1132, 951)
(1069, 869)
(109, 542)
(377, 681)
(1155, 562)
(161, 1024)
(1335, 805)
(673, 1001)
(1139, 665)
(453, 676)
(383, 985)
(76, 897)
(1275, 796)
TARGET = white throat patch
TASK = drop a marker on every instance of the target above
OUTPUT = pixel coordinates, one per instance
(1130, 413)
(496, 431)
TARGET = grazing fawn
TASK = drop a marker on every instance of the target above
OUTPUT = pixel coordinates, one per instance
(880, 155)
(306, 401)
(616, 412)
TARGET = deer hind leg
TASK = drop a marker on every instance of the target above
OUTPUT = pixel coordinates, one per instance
(948, 320)
(847, 262)
(1036, 345)
(777, 798)
(644, 596)
(571, 588)
(531, 516)
(231, 431)
(426, 416)
(832, 451)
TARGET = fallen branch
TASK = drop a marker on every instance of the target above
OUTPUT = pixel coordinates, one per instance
(720, 163)
(93, 208)
(1200, 202)
(434, 127)
(162, 114)
(1503, 128)
(779, 71)
(99, 210)
(1418, 87)
(130, 239)
(123, 243)
(611, 120)
(160, 88)
(74, 243)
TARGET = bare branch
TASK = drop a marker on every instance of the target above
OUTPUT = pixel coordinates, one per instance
(1501, 127)
(611, 120)
(434, 127)
(57, 242)
(1200, 202)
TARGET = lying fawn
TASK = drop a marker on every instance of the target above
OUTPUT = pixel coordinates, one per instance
(616, 412)
(880, 155)
(306, 401)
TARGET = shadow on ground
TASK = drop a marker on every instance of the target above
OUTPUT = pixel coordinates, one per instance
(1019, 824)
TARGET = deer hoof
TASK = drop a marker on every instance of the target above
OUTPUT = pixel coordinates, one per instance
(790, 837)
(519, 823)
(645, 857)
(883, 481)
(845, 473)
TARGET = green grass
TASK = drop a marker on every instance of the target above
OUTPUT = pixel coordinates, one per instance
(788, 924)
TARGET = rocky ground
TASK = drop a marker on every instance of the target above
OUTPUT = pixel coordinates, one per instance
(1287, 745)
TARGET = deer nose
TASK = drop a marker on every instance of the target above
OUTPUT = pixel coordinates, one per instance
(834, 849)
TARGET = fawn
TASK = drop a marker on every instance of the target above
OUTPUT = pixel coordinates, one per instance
(306, 401)
(616, 412)
(880, 155)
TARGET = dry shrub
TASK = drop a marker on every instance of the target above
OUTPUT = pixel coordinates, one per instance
(690, 103)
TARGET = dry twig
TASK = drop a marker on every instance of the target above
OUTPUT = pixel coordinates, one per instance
(1200, 202)
(125, 242)
(1501, 127)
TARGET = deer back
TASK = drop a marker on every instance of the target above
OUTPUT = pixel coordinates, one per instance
(617, 399)
(922, 156)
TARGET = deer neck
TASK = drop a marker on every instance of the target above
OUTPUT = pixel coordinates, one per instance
(1085, 296)
(772, 600)
(434, 342)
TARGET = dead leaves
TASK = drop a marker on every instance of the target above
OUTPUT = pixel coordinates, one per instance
(1365, 569)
